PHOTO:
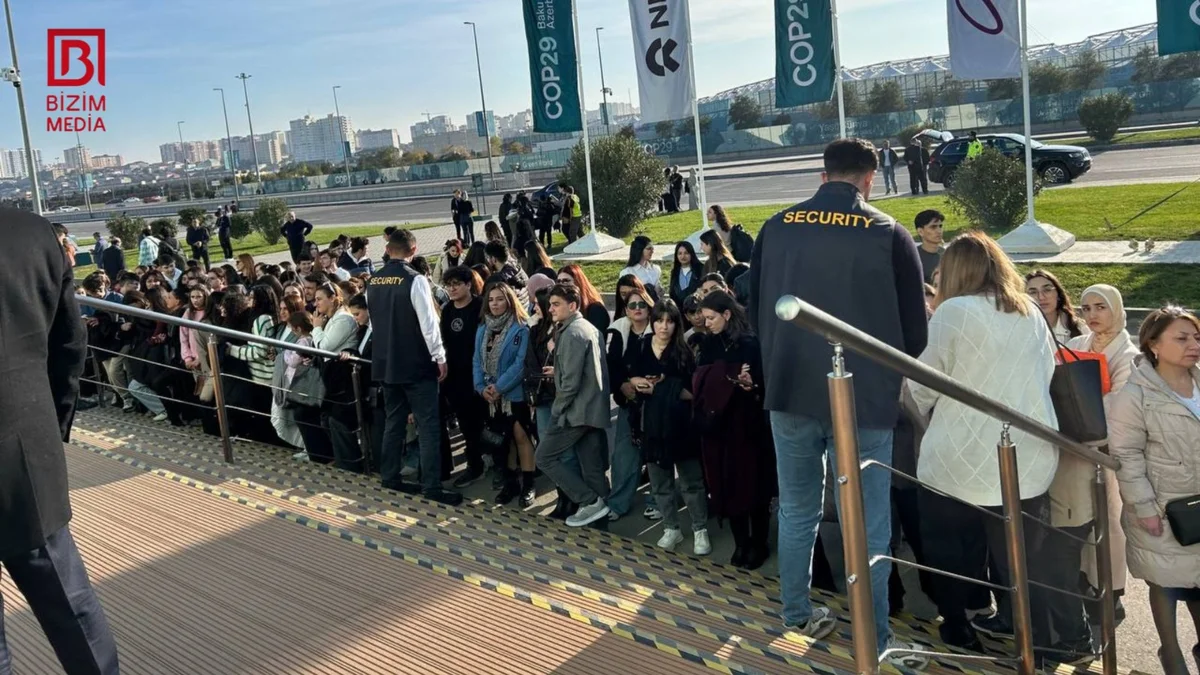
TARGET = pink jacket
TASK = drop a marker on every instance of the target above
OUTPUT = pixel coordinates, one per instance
(189, 340)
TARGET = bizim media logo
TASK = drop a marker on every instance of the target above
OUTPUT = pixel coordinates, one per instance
(76, 59)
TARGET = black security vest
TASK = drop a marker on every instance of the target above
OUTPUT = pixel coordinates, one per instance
(399, 353)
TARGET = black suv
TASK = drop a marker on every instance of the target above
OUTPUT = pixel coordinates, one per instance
(1056, 164)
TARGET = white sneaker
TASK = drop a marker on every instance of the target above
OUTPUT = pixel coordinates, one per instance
(652, 513)
(902, 660)
(819, 625)
(701, 545)
(670, 539)
(301, 456)
(408, 471)
(586, 515)
(160, 417)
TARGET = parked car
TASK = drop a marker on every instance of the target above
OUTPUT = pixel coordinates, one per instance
(550, 192)
(114, 202)
(1056, 164)
(155, 199)
(66, 209)
(131, 200)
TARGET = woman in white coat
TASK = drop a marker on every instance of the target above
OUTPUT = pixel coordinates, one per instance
(1154, 429)
(987, 334)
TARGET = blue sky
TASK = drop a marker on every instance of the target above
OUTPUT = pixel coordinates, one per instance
(396, 59)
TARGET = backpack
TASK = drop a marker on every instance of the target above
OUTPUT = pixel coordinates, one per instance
(741, 244)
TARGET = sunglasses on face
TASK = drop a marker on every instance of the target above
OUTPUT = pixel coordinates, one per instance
(637, 304)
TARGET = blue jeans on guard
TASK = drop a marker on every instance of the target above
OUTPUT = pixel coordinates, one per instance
(801, 444)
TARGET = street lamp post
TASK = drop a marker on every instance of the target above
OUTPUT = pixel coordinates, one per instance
(186, 175)
(229, 146)
(604, 92)
(483, 102)
(342, 132)
(253, 143)
(14, 76)
(83, 177)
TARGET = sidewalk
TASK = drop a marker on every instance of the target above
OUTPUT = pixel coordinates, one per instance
(429, 243)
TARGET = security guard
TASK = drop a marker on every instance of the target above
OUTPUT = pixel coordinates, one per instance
(974, 146)
(408, 361)
(855, 262)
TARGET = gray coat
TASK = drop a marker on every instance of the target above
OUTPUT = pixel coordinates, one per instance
(580, 376)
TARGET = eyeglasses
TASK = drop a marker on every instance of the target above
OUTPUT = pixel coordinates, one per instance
(637, 304)
(566, 280)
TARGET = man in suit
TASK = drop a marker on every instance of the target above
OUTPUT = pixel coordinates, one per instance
(917, 159)
(40, 319)
(580, 414)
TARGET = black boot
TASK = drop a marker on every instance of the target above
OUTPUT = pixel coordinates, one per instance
(740, 527)
(758, 549)
(511, 489)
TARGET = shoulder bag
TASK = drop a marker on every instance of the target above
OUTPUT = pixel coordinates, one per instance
(1076, 391)
(308, 389)
(1184, 516)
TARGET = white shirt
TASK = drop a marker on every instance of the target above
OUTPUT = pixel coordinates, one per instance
(1192, 403)
(422, 301)
(649, 274)
(338, 273)
(887, 157)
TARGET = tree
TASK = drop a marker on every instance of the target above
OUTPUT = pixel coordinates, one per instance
(1047, 78)
(885, 97)
(687, 127)
(417, 156)
(241, 225)
(379, 158)
(781, 120)
(989, 191)
(1184, 66)
(163, 227)
(627, 181)
(1087, 71)
(454, 153)
(190, 213)
(126, 228)
(1103, 115)
(627, 131)
(852, 101)
(952, 92)
(927, 98)
(497, 145)
(999, 90)
(514, 148)
(745, 112)
(664, 129)
(1147, 67)
(268, 218)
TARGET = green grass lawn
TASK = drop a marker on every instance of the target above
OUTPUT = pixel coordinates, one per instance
(1079, 210)
(256, 246)
(1184, 133)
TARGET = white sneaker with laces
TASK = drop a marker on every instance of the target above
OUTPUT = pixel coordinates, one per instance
(586, 515)
(903, 660)
(670, 539)
(819, 625)
(160, 417)
(652, 513)
(408, 471)
(301, 456)
(701, 545)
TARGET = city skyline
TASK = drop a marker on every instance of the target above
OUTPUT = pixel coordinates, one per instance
(416, 60)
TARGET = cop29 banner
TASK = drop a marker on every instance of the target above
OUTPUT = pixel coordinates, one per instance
(1178, 26)
(985, 39)
(553, 65)
(660, 50)
(804, 64)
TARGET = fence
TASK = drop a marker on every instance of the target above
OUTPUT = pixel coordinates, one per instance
(849, 471)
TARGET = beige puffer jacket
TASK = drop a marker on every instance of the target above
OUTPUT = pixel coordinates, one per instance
(1158, 442)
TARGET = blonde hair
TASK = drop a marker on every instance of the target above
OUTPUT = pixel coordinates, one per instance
(974, 264)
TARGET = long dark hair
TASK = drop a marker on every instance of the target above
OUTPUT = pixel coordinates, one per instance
(535, 257)
(738, 324)
(696, 266)
(637, 249)
(476, 254)
(1064, 305)
(721, 218)
(677, 353)
(719, 251)
(265, 302)
(638, 287)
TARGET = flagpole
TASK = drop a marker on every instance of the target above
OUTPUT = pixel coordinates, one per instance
(837, 69)
(587, 147)
(1030, 218)
(696, 120)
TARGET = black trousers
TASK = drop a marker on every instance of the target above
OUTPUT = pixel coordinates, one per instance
(918, 178)
(1060, 557)
(751, 529)
(294, 247)
(201, 253)
(226, 247)
(471, 411)
(947, 532)
(422, 401)
(54, 581)
(317, 442)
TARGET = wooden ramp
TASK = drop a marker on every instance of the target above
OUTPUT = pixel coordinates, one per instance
(275, 566)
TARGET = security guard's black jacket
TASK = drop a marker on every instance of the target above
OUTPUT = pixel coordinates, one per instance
(848, 258)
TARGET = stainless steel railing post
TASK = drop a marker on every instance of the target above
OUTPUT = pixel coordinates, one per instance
(1014, 539)
(853, 516)
(1108, 610)
(364, 434)
(219, 400)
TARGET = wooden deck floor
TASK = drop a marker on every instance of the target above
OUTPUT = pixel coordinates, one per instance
(271, 566)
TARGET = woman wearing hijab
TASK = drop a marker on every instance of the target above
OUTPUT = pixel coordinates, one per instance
(1104, 313)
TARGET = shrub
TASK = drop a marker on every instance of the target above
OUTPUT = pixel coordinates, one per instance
(1103, 115)
(188, 213)
(627, 181)
(163, 227)
(241, 225)
(126, 228)
(989, 191)
(268, 218)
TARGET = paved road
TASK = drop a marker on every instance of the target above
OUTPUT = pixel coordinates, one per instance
(747, 184)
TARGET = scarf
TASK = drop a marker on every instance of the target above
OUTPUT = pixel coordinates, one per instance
(1116, 304)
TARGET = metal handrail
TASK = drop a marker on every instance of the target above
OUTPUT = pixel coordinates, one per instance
(151, 315)
(796, 311)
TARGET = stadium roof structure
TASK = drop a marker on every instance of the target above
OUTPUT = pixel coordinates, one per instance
(1125, 37)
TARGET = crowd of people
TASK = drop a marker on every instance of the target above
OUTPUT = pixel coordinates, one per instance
(720, 407)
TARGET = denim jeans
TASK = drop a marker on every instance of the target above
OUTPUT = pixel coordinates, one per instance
(626, 465)
(889, 177)
(146, 396)
(801, 444)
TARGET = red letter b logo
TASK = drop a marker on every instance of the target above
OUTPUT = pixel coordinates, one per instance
(66, 47)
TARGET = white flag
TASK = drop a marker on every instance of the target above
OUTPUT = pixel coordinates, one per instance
(660, 40)
(985, 39)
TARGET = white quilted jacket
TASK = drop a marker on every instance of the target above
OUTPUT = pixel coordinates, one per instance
(1158, 443)
(1009, 357)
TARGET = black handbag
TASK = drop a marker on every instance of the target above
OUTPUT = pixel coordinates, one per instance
(1184, 516)
(1078, 398)
(307, 390)
(497, 432)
